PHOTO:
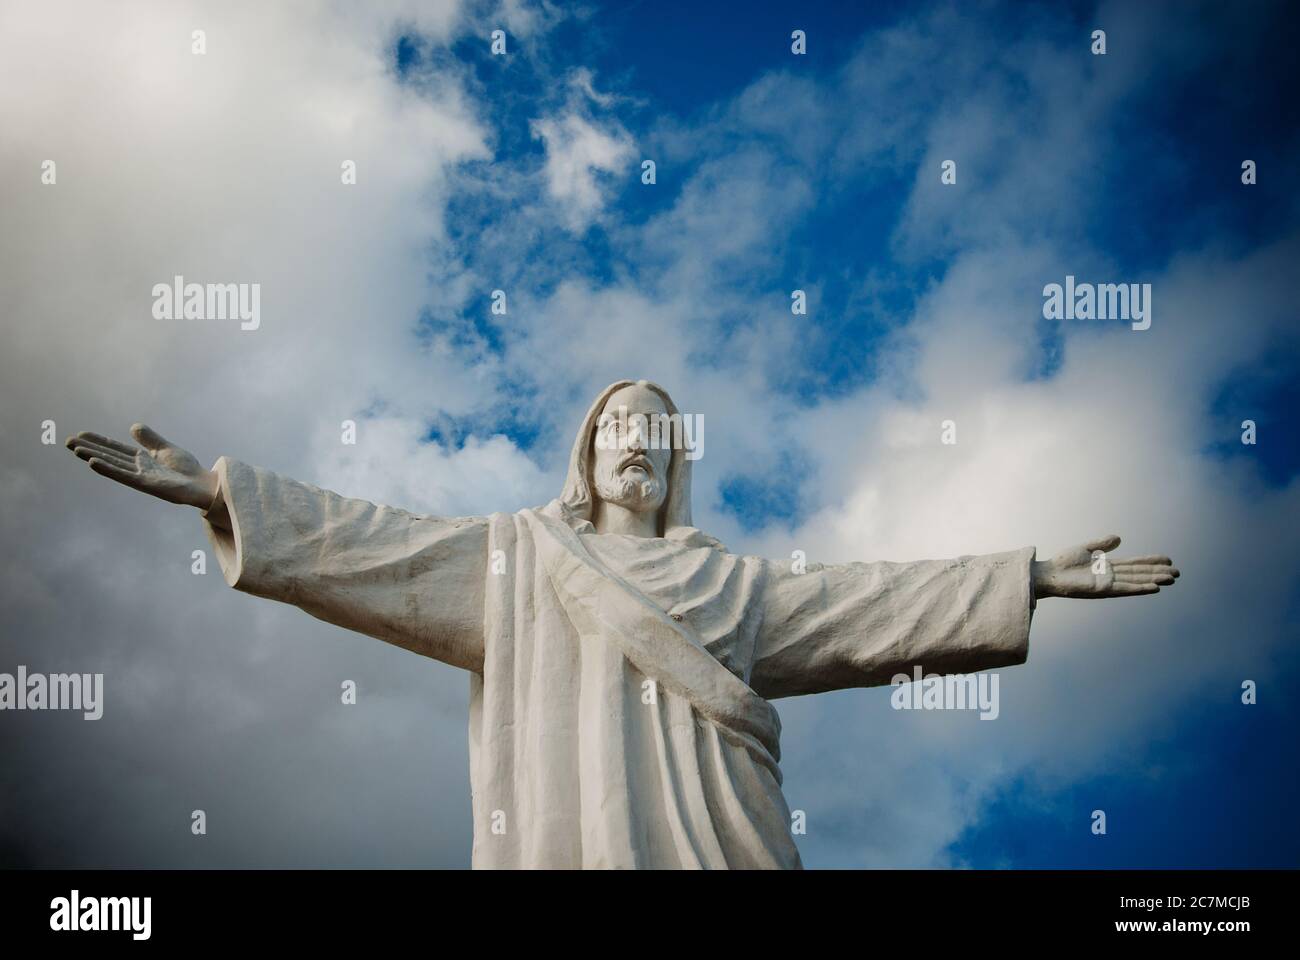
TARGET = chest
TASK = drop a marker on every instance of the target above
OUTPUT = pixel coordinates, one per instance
(707, 591)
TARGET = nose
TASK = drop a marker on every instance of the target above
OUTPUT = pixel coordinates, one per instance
(636, 436)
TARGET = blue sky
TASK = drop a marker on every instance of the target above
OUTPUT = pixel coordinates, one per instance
(775, 172)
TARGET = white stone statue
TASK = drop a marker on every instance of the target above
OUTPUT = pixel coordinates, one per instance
(621, 661)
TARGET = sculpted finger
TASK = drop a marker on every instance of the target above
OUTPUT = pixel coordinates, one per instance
(1121, 589)
(77, 443)
(149, 438)
(1104, 544)
(1149, 571)
(1153, 559)
(88, 453)
(113, 472)
(1163, 579)
(107, 442)
(1122, 567)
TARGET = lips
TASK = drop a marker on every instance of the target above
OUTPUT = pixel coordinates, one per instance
(637, 461)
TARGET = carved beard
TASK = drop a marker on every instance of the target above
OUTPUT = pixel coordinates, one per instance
(635, 495)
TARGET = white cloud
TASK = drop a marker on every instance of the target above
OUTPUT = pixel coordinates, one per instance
(481, 476)
(583, 160)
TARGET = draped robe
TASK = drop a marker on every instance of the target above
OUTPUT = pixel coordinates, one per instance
(619, 685)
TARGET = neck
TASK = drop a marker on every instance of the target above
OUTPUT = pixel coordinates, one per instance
(612, 518)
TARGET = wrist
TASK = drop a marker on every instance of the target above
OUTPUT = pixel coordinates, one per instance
(206, 491)
(1040, 580)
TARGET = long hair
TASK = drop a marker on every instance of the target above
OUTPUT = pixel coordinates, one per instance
(577, 496)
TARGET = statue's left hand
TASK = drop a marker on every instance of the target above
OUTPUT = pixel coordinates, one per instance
(1077, 572)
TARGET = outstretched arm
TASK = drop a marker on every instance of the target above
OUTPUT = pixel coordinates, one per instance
(860, 624)
(414, 581)
(835, 626)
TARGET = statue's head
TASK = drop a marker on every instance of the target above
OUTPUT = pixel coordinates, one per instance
(623, 455)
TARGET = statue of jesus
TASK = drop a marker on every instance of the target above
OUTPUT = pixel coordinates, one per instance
(622, 663)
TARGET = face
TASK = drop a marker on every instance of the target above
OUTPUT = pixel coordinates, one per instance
(625, 470)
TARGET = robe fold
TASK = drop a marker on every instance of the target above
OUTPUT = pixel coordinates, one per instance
(619, 685)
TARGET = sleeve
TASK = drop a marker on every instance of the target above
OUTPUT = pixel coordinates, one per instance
(413, 581)
(860, 624)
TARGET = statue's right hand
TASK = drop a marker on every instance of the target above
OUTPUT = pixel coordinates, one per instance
(156, 467)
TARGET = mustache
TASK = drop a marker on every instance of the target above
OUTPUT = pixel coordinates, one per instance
(635, 460)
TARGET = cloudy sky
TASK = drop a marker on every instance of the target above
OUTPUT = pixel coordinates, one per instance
(774, 172)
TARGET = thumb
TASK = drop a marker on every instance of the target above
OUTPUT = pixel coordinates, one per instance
(147, 437)
(1105, 544)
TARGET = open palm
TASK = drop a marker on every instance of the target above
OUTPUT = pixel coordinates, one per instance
(156, 467)
(1079, 572)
